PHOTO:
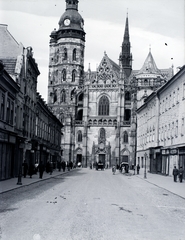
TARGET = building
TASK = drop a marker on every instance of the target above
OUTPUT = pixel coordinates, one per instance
(9, 164)
(98, 108)
(47, 138)
(161, 127)
(29, 130)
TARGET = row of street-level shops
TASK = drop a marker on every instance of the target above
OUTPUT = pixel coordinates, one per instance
(162, 160)
(14, 150)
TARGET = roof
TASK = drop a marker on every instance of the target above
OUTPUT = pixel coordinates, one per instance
(9, 64)
(149, 66)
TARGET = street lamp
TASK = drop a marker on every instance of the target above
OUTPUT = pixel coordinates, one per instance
(145, 165)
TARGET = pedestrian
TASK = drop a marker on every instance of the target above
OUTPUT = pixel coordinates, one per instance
(41, 169)
(31, 170)
(175, 174)
(48, 166)
(59, 166)
(181, 174)
(25, 168)
(138, 168)
(63, 166)
(51, 168)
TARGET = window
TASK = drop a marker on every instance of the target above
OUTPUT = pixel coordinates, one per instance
(12, 113)
(79, 136)
(73, 75)
(8, 111)
(65, 53)
(102, 136)
(125, 137)
(183, 94)
(2, 106)
(127, 96)
(63, 96)
(55, 96)
(74, 54)
(64, 75)
(177, 95)
(176, 129)
(103, 106)
(174, 98)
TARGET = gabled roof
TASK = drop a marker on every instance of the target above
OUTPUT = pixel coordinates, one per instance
(108, 70)
(149, 66)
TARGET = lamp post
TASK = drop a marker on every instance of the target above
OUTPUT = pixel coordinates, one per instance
(145, 166)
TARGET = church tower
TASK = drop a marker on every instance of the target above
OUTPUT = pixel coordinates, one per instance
(126, 56)
(66, 71)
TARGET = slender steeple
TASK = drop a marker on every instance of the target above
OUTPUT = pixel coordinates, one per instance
(126, 56)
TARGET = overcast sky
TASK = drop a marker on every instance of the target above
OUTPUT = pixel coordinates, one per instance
(151, 23)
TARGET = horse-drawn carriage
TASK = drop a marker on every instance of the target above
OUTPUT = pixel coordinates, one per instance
(124, 167)
(100, 166)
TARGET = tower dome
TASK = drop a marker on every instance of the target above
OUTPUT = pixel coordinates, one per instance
(71, 22)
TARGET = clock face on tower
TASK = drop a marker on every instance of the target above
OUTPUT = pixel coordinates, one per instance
(66, 22)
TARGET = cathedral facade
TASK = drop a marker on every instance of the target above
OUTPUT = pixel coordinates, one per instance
(97, 108)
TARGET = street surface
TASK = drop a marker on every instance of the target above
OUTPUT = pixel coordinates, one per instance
(92, 205)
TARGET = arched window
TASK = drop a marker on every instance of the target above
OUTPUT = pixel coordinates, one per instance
(74, 54)
(79, 115)
(55, 96)
(79, 136)
(127, 115)
(102, 133)
(73, 75)
(64, 75)
(63, 96)
(103, 108)
(80, 98)
(102, 136)
(127, 96)
(65, 53)
(125, 137)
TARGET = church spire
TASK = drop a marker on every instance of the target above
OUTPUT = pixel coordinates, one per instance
(126, 56)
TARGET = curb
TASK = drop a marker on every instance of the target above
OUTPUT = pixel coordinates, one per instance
(38, 180)
(161, 187)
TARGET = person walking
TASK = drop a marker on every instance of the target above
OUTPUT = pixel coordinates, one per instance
(25, 168)
(181, 174)
(175, 174)
(41, 169)
(51, 168)
(48, 166)
(138, 168)
(31, 170)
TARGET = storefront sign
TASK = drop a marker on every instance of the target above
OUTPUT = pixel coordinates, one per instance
(165, 151)
(173, 151)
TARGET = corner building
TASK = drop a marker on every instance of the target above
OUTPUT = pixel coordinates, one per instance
(96, 108)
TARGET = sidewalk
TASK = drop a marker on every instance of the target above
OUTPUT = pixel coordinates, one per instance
(165, 182)
(11, 184)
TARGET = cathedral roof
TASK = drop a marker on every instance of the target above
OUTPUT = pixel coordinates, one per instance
(107, 72)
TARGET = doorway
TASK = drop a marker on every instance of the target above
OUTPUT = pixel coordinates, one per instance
(79, 158)
(102, 158)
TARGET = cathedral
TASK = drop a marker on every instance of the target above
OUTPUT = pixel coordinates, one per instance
(97, 108)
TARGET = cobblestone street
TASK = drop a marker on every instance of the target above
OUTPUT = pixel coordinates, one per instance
(88, 204)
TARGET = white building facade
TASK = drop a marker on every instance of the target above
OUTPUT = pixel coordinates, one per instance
(161, 127)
